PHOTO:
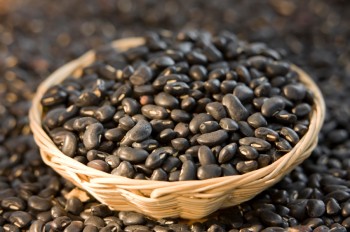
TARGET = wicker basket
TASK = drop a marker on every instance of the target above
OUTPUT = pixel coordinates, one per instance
(159, 199)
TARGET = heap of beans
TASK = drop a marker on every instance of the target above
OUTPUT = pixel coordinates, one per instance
(181, 107)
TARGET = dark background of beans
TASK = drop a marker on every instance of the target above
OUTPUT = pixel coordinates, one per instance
(36, 37)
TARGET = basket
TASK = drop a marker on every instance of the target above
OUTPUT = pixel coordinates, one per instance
(160, 199)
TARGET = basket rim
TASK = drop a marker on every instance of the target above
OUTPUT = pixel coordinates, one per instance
(162, 187)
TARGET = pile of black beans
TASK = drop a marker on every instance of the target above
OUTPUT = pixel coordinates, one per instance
(37, 37)
(182, 106)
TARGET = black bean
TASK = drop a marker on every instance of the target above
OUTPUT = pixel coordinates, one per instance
(228, 124)
(246, 166)
(243, 93)
(130, 106)
(216, 110)
(212, 86)
(258, 144)
(272, 106)
(90, 228)
(197, 121)
(104, 113)
(290, 135)
(92, 136)
(159, 174)
(277, 68)
(171, 163)
(209, 126)
(142, 169)
(266, 134)
(133, 155)
(213, 138)
(74, 226)
(258, 102)
(257, 120)
(208, 171)
(50, 120)
(87, 99)
(54, 96)
(245, 129)
(141, 76)
(80, 124)
(141, 131)
(154, 112)
(13, 203)
(69, 113)
(39, 203)
(188, 171)
(166, 100)
(180, 144)
(294, 92)
(94, 221)
(198, 73)
(248, 152)
(176, 88)
(206, 156)
(20, 219)
(69, 144)
(263, 90)
(285, 117)
(88, 111)
(227, 86)
(124, 169)
(228, 170)
(115, 134)
(270, 218)
(126, 123)
(243, 74)
(36, 226)
(180, 115)
(195, 57)
(155, 160)
(122, 92)
(188, 104)
(227, 153)
(99, 165)
(301, 110)
(60, 223)
(315, 208)
(74, 206)
(235, 108)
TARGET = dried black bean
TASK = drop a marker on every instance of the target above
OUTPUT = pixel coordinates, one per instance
(246, 166)
(20, 219)
(141, 131)
(99, 165)
(197, 121)
(166, 100)
(208, 171)
(213, 138)
(206, 156)
(228, 124)
(258, 144)
(171, 163)
(227, 153)
(266, 134)
(159, 174)
(294, 91)
(130, 106)
(243, 93)
(248, 152)
(257, 120)
(235, 108)
(133, 155)
(124, 169)
(180, 115)
(154, 112)
(180, 144)
(39, 203)
(155, 160)
(245, 129)
(188, 171)
(13, 203)
(272, 106)
(176, 88)
(290, 135)
(92, 135)
(198, 73)
(209, 126)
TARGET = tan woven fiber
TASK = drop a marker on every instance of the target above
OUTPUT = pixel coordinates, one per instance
(159, 199)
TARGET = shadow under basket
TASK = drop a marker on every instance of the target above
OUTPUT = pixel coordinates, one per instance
(160, 199)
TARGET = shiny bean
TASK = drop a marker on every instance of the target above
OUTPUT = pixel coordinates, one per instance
(92, 136)
(208, 171)
(227, 153)
(258, 144)
(133, 155)
(213, 138)
(216, 110)
(272, 106)
(188, 171)
(235, 108)
(154, 112)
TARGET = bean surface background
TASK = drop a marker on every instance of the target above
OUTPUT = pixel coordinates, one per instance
(316, 41)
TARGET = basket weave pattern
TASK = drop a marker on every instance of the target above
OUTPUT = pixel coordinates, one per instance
(160, 199)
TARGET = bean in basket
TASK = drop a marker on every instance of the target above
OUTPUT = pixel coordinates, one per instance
(180, 107)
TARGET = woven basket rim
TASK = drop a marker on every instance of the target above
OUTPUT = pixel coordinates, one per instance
(160, 188)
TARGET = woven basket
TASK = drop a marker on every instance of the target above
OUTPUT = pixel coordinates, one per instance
(160, 199)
